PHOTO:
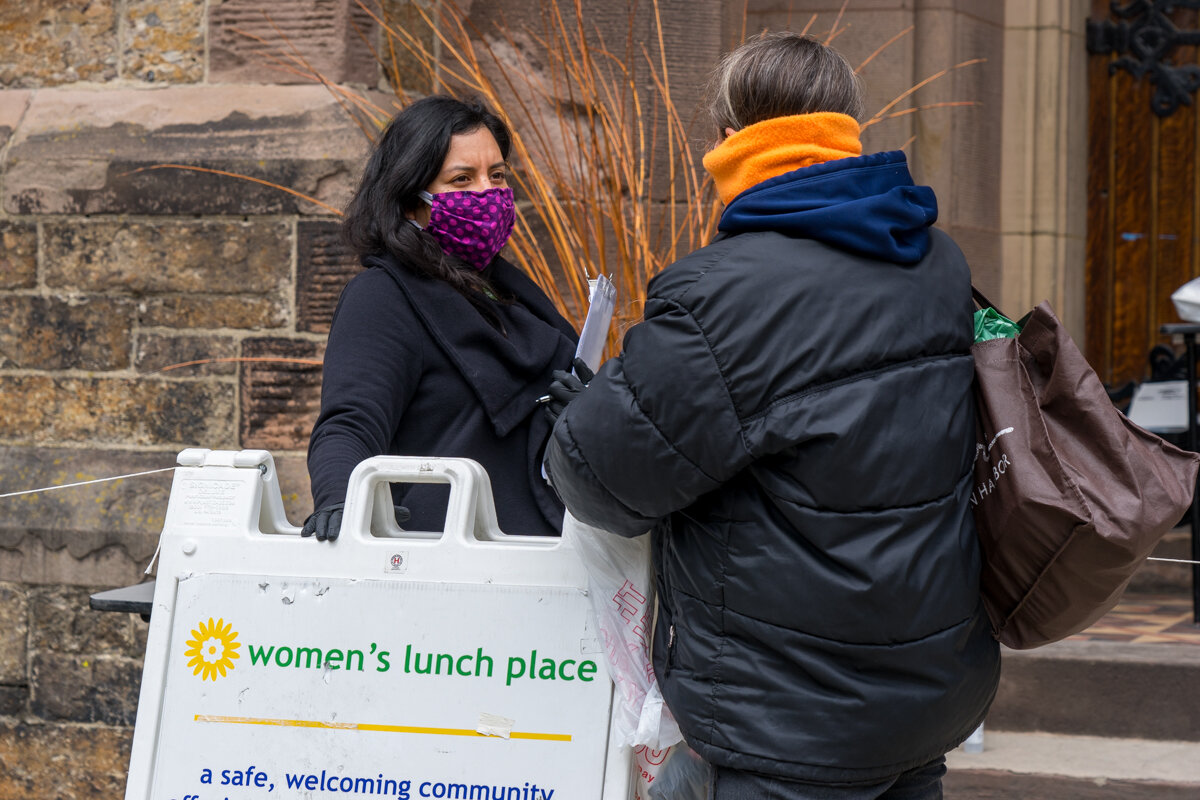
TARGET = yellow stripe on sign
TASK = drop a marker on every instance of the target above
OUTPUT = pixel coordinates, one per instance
(357, 726)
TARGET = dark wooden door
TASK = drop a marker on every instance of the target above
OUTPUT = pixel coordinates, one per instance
(1143, 212)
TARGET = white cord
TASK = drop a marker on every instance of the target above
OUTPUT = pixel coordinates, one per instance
(85, 483)
(169, 469)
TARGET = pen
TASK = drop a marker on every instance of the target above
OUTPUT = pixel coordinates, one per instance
(544, 399)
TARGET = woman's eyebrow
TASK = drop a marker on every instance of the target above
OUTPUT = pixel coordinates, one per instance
(469, 167)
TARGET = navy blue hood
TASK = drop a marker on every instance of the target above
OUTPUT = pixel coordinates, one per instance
(867, 205)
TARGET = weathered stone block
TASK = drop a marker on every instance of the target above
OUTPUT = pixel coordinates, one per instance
(214, 311)
(254, 43)
(13, 103)
(39, 556)
(14, 632)
(294, 484)
(139, 258)
(103, 151)
(63, 761)
(60, 621)
(163, 40)
(58, 333)
(976, 133)
(406, 72)
(50, 42)
(13, 702)
(324, 264)
(982, 250)
(141, 631)
(101, 534)
(84, 688)
(281, 398)
(161, 354)
(18, 253)
(45, 410)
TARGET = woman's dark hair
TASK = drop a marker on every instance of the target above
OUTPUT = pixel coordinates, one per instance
(405, 160)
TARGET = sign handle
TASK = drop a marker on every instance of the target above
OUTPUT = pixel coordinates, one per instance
(470, 512)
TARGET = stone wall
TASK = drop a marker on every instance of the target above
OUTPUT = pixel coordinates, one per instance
(68, 693)
(114, 272)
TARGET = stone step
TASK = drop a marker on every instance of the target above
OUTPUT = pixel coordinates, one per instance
(1044, 766)
(1101, 688)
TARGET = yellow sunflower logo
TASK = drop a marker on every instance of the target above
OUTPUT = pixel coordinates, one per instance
(212, 649)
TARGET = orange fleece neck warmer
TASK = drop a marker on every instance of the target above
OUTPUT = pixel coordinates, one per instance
(778, 145)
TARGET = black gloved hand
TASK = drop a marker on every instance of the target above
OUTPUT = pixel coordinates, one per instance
(326, 522)
(566, 387)
(402, 515)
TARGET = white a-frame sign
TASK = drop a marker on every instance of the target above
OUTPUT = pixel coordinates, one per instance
(388, 664)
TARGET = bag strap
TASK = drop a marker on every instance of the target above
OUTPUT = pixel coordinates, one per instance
(982, 301)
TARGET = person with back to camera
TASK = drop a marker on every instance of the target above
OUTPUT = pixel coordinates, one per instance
(439, 347)
(794, 420)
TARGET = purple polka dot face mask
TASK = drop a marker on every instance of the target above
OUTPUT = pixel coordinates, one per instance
(471, 225)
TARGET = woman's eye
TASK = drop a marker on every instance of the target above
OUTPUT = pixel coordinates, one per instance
(499, 177)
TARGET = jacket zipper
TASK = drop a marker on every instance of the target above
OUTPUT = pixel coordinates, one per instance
(664, 591)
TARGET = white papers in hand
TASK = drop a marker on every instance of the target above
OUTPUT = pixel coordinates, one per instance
(595, 326)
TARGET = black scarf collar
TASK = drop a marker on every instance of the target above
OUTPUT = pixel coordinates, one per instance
(506, 373)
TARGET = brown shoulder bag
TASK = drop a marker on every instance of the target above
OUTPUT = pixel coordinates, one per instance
(1070, 496)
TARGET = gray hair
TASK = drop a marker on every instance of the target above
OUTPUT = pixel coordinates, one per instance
(778, 75)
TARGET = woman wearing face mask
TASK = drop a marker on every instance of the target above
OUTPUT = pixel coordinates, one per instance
(439, 347)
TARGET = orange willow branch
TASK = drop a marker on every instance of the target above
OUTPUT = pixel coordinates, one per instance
(833, 32)
(883, 111)
(884, 46)
(239, 175)
(310, 362)
(927, 106)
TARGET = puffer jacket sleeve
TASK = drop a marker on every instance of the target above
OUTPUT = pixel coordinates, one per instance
(654, 430)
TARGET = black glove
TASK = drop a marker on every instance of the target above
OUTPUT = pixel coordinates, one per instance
(566, 387)
(326, 522)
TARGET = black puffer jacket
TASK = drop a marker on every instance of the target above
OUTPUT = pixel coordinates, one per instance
(794, 420)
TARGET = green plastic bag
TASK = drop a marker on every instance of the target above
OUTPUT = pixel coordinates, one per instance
(991, 324)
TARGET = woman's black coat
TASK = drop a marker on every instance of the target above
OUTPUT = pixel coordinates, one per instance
(412, 368)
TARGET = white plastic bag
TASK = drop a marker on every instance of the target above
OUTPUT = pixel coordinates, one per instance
(622, 597)
(1187, 300)
(621, 593)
